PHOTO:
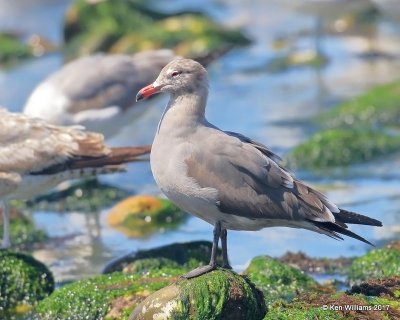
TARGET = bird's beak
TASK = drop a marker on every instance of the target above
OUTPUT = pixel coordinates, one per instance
(147, 91)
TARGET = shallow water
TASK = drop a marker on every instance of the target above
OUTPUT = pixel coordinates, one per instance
(245, 97)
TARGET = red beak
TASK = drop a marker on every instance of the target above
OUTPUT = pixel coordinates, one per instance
(146, 92)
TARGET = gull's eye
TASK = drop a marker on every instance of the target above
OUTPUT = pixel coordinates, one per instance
(175, 73)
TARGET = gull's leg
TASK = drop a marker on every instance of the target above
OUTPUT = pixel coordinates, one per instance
(6, 225)
(224, 243)
(213, 261)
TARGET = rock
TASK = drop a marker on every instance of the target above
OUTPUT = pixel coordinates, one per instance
(115, 295)
(277, 280)
(140, 216)
(316, 265)
(188, 255)
(111, 296)
(23, 282)
(377, 263)
(378, 106)
(130, 26)
(12, 49)
(331, 147)
(88, 195)
(220, 294)
(370, 122)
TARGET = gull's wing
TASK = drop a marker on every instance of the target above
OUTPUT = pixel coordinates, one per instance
(251, 183)
(29, 144)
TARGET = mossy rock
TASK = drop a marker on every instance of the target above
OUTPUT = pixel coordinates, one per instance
(220, 294)
(358, 130)
(88, 195)
(23, 232)
(308, 264)
(12, 49)
(378, 106)
(140, 216)
(372, 300)
(112, 296)
(382, 262)
(278, 280)
(335, 306)
(342, 147)
(129, 26)
(187, 255)
(23, 282)
(307, 58)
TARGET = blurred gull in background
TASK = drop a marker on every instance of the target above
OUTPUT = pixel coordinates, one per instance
(97, 91)
(36, 156)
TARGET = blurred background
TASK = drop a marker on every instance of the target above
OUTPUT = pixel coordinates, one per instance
(286, 73)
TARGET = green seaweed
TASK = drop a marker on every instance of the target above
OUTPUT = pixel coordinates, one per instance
(378, 106)
(343, 146)
(220, 294)
(358, 130)
(24, 233)
(278, 280)
(23, 282)
(131, 26)
(93, 298)
(298, 310)
(377, 263)
(12, 49)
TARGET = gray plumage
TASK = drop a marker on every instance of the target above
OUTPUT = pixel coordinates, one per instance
(96, 91)
(226, 178)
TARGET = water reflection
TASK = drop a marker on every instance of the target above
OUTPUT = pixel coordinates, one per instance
(270, 107)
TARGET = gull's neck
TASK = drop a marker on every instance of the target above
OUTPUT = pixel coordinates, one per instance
(183, 110)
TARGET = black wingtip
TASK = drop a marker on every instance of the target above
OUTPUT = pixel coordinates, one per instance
(333, 229)
(345, 216)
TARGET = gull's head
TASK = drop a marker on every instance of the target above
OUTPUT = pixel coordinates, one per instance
(180, 76)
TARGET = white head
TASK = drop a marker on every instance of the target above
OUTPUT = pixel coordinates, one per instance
(179, 77)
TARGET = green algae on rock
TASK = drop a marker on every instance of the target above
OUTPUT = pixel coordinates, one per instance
(142, 215)
(343, 146)
(278, 280)
(130, 26)
(188, 255)
(23, 282)
(23, 232)
(378, 106)
(88, 195)
(358, 130)
(220, 294)
(110, 296)
(12, 49)
(377, 263)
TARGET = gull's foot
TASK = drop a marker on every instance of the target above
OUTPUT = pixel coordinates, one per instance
(199, 271)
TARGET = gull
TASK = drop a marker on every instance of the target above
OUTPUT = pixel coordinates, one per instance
(226, 178)
(97, 91)
(36, 156)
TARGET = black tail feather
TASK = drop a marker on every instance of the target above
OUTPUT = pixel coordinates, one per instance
(332, 229)
(345, 216)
